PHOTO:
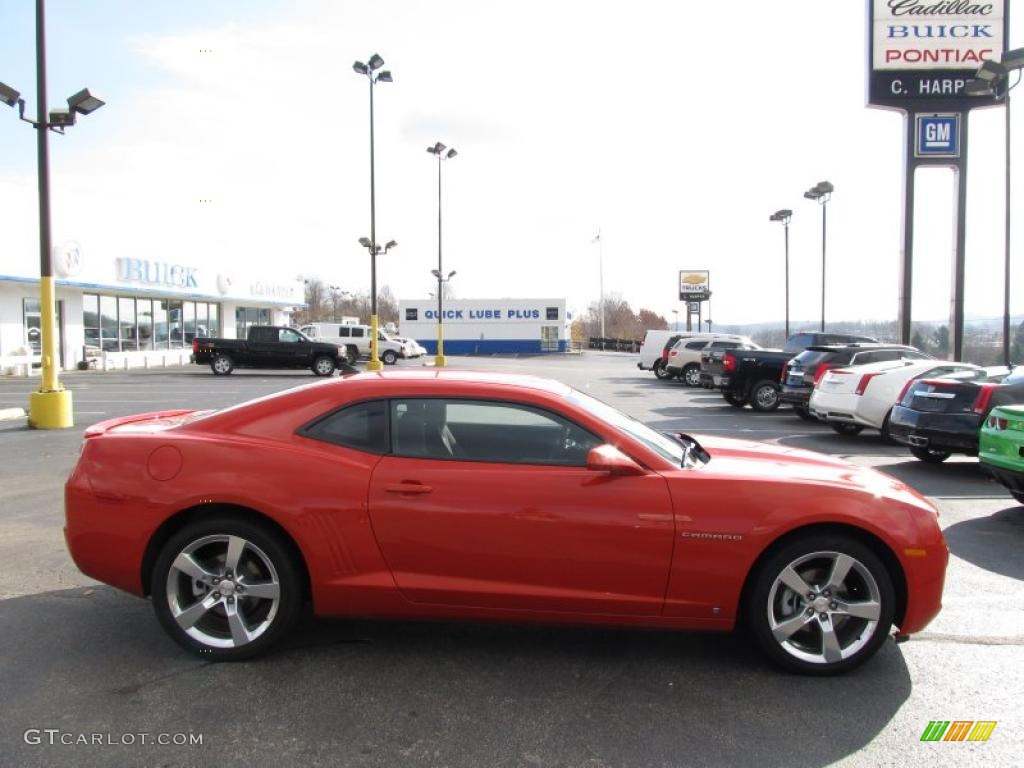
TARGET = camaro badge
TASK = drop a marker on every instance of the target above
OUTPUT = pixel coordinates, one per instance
(712, 536)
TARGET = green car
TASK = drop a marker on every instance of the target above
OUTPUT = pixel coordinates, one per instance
(1002, 447)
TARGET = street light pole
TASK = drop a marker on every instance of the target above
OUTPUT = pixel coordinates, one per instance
(51, 406)
(993, 80)
(822, 193)
(785, 215)
(370, 70)
(439, 150)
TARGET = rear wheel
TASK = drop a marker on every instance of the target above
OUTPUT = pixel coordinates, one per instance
(886, 435)
(351, 354)
(323, 366)
(736, 401)
(764, 396)
(222, 365)
(804, 413)
(821, 604)
(659, 370)
(691, 375)
(929, 455)
(227, 588)
(844, 428)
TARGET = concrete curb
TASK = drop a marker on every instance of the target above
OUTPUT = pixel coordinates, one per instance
(10, 414)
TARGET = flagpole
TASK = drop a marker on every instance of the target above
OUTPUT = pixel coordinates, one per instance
(600, 263)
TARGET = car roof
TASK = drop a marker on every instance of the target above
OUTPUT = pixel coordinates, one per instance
(859, 345)
(453, 376)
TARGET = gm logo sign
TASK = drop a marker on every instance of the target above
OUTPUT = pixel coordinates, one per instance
(937, 136)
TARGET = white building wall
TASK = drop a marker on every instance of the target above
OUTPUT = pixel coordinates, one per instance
(487, 326)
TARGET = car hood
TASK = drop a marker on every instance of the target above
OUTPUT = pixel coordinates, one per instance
(750, 460)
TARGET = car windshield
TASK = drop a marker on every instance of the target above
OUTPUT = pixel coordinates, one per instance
(664, 446)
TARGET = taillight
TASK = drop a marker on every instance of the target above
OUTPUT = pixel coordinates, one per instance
(673, 353)
(822, 370)
(664, 355)
(195, 346)
(984, 396)
(863, 384)
(785, 374)
(997, 423)
(728, 363)
(906, 388)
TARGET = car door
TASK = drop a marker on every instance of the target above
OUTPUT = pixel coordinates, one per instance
(293, 350)
(489, 504)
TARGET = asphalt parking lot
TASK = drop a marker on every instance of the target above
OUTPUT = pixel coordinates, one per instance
(82, 658)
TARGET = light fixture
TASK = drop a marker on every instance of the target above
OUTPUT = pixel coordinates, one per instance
(385, 76)
(389, 244)
(61, 118)
(361, 68)
(976, 87)
(1013, 59)
(375, 62)
(8, 95)
(437, 149)
(84, 102)
(365, 242)
(435, 273)
(991, 71)
(451, 153)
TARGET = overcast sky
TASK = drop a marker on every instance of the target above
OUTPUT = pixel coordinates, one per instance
(675, 128)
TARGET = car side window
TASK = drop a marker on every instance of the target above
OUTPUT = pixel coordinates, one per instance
(357, 332)
(261, 335)
(879, 356)
(473, 430)
(289, 336)
(343, 331)
(696, 345)
(724, 344)
(362, 426)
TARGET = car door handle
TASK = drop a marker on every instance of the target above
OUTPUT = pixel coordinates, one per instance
(407, 488)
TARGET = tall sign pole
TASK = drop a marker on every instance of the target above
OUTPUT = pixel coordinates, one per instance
(920, 57)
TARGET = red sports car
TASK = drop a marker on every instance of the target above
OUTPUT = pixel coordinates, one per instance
(468, 495)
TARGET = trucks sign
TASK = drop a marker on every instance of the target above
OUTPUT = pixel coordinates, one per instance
(694, 285)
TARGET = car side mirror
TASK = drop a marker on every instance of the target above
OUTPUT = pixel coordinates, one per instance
(608, 458)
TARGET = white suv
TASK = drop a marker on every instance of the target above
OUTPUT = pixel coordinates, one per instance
(356, 341)
(684, 357)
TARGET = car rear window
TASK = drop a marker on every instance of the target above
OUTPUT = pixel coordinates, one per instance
(810, 357)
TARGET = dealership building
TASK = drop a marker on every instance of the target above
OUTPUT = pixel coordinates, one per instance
(132, 311)
(488, 326)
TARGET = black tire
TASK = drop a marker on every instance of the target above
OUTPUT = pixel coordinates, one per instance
(1018, 495)
(769, 602)
(221, 364)
(351, 354)
(929, 455)
(845, 428)
(691, 375)
(736, 401)
(886, 435)
(324, 365)
(764, 396)
(659, 370)
(804, 413)
(262, 545)
(389, 357)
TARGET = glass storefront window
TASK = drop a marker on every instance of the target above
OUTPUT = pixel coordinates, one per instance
(144, 315)
(126, 324)
(108, 324)
(188, 321)
(33, 320)
(159, 324)
(213, 329)
(91, 320)
(175, 324)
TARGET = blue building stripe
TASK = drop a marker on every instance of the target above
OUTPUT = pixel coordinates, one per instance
(489, 346)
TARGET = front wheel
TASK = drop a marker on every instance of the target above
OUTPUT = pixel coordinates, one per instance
(929, 455)
(821, 604)
(764, 396)
(390, 357)
(843, 428)
(222, 365)
(323, 366)
(226, 588)
(659, 370)
(691, 375)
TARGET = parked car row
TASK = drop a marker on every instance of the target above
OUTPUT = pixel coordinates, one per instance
(934, 407)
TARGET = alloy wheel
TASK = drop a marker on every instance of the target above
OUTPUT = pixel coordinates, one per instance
(824, 607)
(223, 591)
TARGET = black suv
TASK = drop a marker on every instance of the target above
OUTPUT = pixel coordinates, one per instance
(801, 373)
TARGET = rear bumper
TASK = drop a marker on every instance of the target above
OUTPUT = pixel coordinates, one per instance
(840, 408)
(942, 431)
(795, 395)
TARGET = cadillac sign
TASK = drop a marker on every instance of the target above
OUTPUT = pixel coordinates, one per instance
(694, 286)
(922, 52)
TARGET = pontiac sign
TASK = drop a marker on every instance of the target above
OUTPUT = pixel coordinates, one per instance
(924, 51)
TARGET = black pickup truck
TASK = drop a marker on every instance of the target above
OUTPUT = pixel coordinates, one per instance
(753, 376)
(268, 346)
